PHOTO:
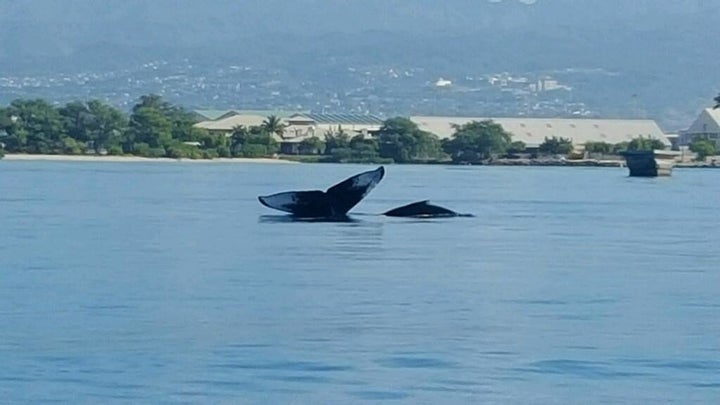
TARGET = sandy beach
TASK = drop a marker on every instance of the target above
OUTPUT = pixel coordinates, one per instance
(122, 159)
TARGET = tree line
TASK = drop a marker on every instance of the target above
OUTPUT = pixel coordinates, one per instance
(156, 128)
(400, 140)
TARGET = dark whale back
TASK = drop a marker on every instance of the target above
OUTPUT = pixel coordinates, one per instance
(421, 209)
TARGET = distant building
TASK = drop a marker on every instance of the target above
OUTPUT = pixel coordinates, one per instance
(225, 126)
(706, 125)
(306, 125)
(353, 123)
(674, 139)
(212, 115)
(443, 83)
(298, 126)
(533, 131)
(217, 115)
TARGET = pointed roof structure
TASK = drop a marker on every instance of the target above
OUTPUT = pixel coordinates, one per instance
(708, 122)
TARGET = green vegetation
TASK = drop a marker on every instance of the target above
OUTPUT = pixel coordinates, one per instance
(311, 146)
(717, 101)
(402, 141)
(642, 143)
(703, 148)
(603, 148)
(477, 141)
(154, 128)
(555, 146)
(516, 147)
(250, 142)
(273, 125)
(340, 148)
(618, 148)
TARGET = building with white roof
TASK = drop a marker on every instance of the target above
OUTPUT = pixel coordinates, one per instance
(228, 124)
(297, 126)
(533, 131)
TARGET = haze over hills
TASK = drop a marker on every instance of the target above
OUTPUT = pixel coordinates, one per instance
(655, 58)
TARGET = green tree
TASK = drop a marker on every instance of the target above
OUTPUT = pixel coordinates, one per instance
(643, 143)
(33, 126)
(94, 122)
(599, 147)
(160, 125)
(717, 101)
(239, 137)
(336, 140)
(364, 149)
(476, 141)
(72, 146)
(254, 150)
(5, 125)
(217, 145)
(273, 125)
(516, 147)
(252, 142)
(359, 150)
(311, 146)
(402, 141)
(76, 116)
(703, 148)
(556, 146)
(150, 123)
(179, 150)
(620, 147)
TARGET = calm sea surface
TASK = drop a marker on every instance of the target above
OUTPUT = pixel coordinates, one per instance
(168, 282)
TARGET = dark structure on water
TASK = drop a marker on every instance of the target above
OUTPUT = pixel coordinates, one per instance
(650, 163)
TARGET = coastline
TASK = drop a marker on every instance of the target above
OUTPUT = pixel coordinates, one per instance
(136, 159)
(497, 162)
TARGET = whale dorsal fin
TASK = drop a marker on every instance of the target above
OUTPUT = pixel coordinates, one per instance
(421, 209)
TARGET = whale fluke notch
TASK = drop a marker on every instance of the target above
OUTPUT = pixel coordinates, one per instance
(333, 203)
(423, 209)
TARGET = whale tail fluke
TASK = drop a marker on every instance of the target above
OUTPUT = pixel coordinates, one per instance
(335, 202)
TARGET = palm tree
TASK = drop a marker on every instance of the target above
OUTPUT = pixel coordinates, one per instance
(273, 125)
(239, 137)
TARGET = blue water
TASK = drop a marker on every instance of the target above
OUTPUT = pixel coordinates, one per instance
(169, 282)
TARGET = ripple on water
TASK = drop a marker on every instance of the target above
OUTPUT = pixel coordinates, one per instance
(715, 385)
(580, 369)
(379, 395)
(312, 379)
(285, 366)
(415, 362)
(712, 366)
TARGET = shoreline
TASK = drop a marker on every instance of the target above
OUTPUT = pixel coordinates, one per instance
(19, 157)
(134, 159)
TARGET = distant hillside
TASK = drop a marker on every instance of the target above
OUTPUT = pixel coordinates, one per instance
(612, 33)
(663, 50)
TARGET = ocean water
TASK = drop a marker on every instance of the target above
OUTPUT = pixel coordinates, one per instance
(165, 282)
